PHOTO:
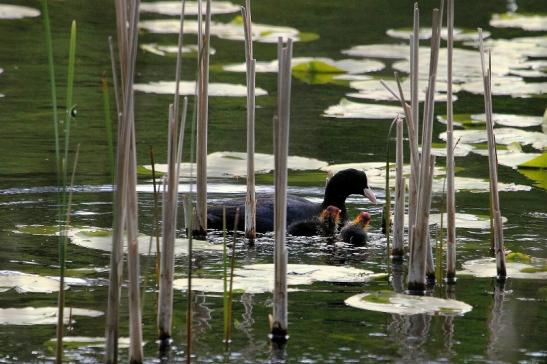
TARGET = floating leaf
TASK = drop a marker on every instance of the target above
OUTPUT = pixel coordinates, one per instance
(508, 86)
(259, 278)
(460, 35)
(397, 303)
(463, 221)
(27, 283)
(189, 88)
(355, 110)
(234, 164)
(90, 342)
(163, 50)
(385, 51)
(41, 315)
(101, 239)
(486, 267)
(313, 65)
(45, 230)
(234, 30)
(505, 136)
(17, 12)
(532, 22)
(540, 162)
(374, 90)
(191, 7)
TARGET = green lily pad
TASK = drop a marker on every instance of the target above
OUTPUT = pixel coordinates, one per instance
(486, 267)
(402, 304)
(45, 230)
(539, 162)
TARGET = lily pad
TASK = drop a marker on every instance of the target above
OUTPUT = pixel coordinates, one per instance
(402, 304)
(383, 51)
(486, 267)
(17, 12)
(41, 315)
(356, 110)
(510, 158)
(463, 221)
(259, 278)
(27, 283)
(460, 35)
(233, 30)
(505, 136)
(374, 90)
(189, 88)
(234, 164)
(163, 50)
(313, 65)
(539, 176)
(540, 162)
(90, 342)
(508, 86)
(191, 7)
(101, 239)
(531, 22)
(512, 120)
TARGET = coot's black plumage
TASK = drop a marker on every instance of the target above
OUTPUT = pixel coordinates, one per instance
(339, 187)
(324, 224)
(355, 232)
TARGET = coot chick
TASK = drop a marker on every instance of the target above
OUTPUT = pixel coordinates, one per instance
(339, 187)
(323, 225)
(355, 232)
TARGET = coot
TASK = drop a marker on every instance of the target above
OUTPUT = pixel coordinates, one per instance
(325, 224)
(339, 187)
(355, 232)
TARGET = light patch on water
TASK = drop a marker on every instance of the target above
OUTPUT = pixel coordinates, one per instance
(346, 109)
(27, 283)
(17, 12)
(163, 50)
(402, 304)
(27, 316)
(486, 268)
(101, 239)
(463, 221)
(476, 185)
(313, 64)
(191, 7)
(259, 278)
(262, 33)
(374, 90)
(521, 21)
(189, 88)
(460, 35)
(234, 164)
(505, 136)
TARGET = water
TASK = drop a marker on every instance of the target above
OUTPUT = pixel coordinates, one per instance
(502, 327)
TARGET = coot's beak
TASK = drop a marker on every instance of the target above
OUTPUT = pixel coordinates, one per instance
(370, 195)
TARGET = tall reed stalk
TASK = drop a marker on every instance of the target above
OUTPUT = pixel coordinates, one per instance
(451, 194)
(229, 319)
(250, 200)
(108, 126)
(61, 162)
(413, 123)
(170, 200)
(398, 225)
(125, 201)
(281, 138)
(202, 124)
(421, 247)
(493, 164)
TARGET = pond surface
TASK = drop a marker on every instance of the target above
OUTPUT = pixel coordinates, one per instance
(503, 326)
